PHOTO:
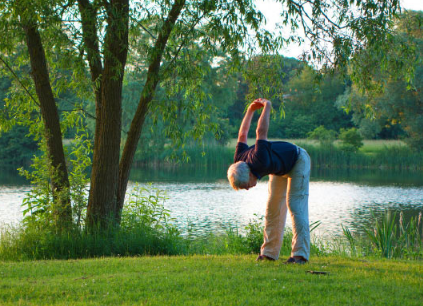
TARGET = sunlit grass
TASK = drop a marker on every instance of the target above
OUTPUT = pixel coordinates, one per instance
(211, 280)
(373, 146)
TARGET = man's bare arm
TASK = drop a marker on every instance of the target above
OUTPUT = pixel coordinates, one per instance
(245, 126)
(263, 123)
(246, 122)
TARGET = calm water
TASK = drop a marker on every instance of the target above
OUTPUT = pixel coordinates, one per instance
(203, 197)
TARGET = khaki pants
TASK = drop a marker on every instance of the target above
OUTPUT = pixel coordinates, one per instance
(288, 191)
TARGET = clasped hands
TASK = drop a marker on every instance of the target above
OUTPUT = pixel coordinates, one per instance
(259, 103)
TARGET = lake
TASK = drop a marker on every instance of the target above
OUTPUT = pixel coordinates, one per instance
(204, 198)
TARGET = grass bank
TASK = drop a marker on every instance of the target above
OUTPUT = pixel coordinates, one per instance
(375, 154)
(211, 280)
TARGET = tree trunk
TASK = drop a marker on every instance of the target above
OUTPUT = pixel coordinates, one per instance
(109, 178)
(146, 97)
(105, 170)
(59, 176)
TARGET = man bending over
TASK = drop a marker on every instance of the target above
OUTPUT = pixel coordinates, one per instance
(288, 167)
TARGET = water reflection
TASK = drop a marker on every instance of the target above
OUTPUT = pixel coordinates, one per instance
(374, 177)
(9, 177)
(352, 205)
(364, 217)
(188, 173)
(203, 197)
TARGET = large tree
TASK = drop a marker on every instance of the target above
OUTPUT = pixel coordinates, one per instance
(96, 33)
(396, 96)
(163, 34)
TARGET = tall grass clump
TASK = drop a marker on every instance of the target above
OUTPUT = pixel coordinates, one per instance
(383, 235)
(245, 240)
(389, 237)
(333, 157)
(234, 240)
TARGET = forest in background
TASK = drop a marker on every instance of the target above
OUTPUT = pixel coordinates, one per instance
(307, 103)
(303, 100)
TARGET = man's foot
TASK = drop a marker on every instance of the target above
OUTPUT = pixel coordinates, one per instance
(264, 257)
(296, 260)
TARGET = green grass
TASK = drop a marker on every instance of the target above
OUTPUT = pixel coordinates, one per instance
(210, 280)
(374, 146)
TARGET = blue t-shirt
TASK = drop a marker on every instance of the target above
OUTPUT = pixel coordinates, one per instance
(267, 157)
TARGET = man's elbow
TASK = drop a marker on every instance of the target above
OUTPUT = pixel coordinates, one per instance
(242, 135)
(242, 138)
(261, 133)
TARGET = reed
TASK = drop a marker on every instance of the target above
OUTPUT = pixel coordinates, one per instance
(383, 235)
(389, 237)
(351, 241)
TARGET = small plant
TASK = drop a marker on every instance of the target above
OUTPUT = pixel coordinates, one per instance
(146, 206)
(254, 233)
(350, 239)
(40, 205)
(411, 238)
(351, 140)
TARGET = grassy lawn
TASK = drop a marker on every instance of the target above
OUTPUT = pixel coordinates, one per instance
(210, 280)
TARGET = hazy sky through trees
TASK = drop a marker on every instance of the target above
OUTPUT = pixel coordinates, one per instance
(271, 10)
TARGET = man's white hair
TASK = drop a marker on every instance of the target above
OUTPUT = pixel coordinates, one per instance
(238, 174)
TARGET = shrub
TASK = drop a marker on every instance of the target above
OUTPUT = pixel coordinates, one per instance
(351, 140)
(324, 136)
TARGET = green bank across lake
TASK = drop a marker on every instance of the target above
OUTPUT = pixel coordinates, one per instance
(211, 280)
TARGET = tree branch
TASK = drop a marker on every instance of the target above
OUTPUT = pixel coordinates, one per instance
(19, 81)
(182, 44)
(145, 29)
(90, 37)
(146, 97)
